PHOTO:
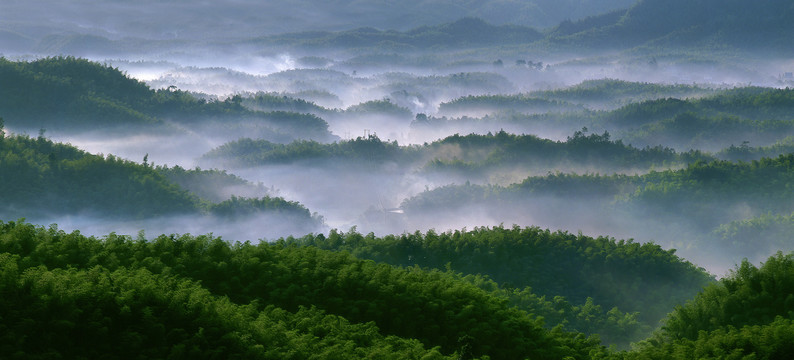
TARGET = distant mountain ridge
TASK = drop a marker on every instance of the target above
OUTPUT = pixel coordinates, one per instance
(764, 24)
(746, 25)
(461, 33)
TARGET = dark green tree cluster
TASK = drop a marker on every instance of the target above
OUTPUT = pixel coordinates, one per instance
(616, 274)
(748, 314)
(134, 313)
(745, 152)
(238, 207)
(384, 107)
(473, 156)
(39, 178)
(755, 236)
(68, 93)
(52, 91)
(758, 115)
(705, 191)
(713, 205)
(367, 150)
(715, 121)
(251, 299)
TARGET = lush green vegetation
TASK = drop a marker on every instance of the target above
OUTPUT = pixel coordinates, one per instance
(249, 152)
(701, 197)
(475, 157)
(745, 152)
(39, 178)
(602, 275)
(705, 192)
(747, 314)
(384, 107)
(473, 154)
(192, 293)
(67, 295)
(66, 93)
(715, 121)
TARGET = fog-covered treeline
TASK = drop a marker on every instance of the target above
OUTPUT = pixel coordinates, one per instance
(409, 180)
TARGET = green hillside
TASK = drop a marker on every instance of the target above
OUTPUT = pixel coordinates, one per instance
(70, 94)
(193, 293)
(40, 178)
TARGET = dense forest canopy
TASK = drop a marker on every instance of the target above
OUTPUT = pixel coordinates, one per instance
(600, 179)
(41, 179)
(71, 94)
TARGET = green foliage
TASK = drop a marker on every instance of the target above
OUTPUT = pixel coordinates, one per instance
(745, 152)
(705, 203)
(757, 236)
(473, 156)
(706, 191)
(642, 279)
(53, 90)
(68, 93)
(41, 178)
(237, 207)
(369, 150)
(747, 314)
(379, 107)
(38, 176)
(437, 308)
(748, 296)
(134, 313)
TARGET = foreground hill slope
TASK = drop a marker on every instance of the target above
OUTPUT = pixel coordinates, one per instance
(116, 278)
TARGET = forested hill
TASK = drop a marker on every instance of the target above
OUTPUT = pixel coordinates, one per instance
(66, 93)
(73, 296)
(712, 207)
(567, 270)
(40, 178)
(475, 156)
(66, 295)
(752, 25)
(749, 314)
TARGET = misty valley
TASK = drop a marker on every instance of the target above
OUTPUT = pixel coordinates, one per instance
(535, 179)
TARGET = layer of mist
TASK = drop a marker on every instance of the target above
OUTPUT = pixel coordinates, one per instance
(316, 75)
